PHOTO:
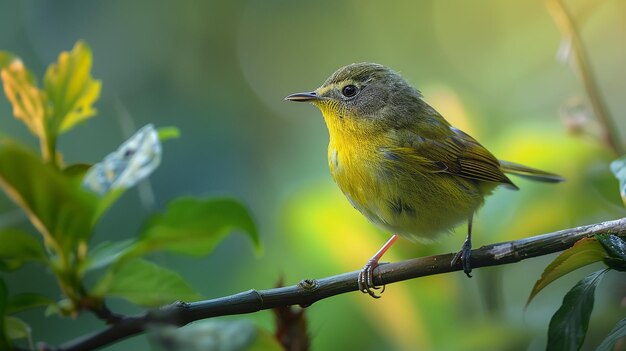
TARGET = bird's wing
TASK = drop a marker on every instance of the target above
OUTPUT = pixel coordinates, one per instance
(454, 153)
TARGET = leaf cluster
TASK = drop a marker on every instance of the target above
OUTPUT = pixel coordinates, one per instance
(65, 202)
(570, 322)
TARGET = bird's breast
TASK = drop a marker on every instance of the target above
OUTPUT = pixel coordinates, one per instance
(400, 199)
(367, 185)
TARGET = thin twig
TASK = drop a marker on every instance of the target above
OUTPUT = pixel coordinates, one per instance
(103, 312)
(309, 291)
(571, 33)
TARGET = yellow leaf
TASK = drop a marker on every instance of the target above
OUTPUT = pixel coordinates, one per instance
(21, 90)
(71, 89)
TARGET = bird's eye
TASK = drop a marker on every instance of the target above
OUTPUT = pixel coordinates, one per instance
(349, 90)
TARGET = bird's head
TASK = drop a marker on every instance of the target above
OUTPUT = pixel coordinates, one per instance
(362, 96)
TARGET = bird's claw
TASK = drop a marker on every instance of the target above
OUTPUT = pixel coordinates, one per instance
(464, 256)
(366, 281)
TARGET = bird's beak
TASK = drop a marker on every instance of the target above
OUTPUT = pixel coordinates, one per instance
(303, 97)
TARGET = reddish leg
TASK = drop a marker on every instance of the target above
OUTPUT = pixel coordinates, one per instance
(366, 277)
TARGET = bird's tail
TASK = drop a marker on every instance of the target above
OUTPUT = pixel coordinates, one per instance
(530, 173)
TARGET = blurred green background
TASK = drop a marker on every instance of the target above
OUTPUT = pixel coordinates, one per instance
(219, 70)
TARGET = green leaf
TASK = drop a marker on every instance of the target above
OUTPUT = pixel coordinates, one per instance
(614, 245)
(166, 133)
(618, 167)
(9, 265)
(76, 172)
(20, 87)
(616, 249)
(104, 254)
(56, 206)
(26, 301)
(71, 89)
(63, 308)
(20, 246)
(144, 283)
(569, 324)
(17, 328)
(584, 252)
(4, 342)
(195, 226)
(618, 332)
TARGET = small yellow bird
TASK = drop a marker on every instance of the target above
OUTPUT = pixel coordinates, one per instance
(400, 163)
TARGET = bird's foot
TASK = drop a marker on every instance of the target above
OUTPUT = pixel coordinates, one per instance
(366, 280)
(464, 255)
(366, 276)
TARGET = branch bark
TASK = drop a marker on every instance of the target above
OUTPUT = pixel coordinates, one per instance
(310, 291)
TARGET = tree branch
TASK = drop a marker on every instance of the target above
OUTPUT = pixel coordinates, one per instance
(309, 291)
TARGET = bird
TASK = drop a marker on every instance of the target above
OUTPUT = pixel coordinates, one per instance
(401, 164)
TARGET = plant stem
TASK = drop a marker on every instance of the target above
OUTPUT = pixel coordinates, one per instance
(565, 22)
(48, 150)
